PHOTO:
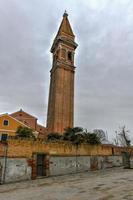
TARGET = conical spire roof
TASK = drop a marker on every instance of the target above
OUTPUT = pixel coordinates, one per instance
(65, 27)
(64, 33)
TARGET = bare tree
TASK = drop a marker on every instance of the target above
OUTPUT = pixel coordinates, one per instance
(101, 135)
(116, 140)
(122, 137)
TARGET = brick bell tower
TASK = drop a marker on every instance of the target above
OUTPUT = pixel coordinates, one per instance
(61, 94)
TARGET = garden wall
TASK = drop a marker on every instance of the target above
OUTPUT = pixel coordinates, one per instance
(19, 159)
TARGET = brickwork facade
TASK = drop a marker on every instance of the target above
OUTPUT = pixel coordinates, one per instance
(61, 95)
(26, 118)
(26, 148)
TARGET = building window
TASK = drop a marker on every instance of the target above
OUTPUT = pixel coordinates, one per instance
(5, 122)
(4, 137)
(69, 56)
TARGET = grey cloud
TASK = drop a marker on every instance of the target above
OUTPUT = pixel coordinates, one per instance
(103, 29)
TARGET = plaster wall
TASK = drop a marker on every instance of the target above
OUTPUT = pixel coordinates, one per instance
(17, 169)
(69, 164)
(60, 165)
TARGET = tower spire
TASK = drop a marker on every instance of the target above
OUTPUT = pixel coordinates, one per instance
(65, 27)
(65, 32)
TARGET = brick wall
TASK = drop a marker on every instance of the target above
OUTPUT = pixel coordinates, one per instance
(1, 150)
(26, 148)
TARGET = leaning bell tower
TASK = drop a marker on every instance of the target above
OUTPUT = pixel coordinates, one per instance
(60, 113)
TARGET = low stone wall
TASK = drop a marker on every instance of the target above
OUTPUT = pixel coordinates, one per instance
(59, 158)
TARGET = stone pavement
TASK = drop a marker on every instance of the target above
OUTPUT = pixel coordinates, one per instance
(113, 184)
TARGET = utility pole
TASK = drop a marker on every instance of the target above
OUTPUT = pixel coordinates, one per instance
(5, 162)
(4, 165)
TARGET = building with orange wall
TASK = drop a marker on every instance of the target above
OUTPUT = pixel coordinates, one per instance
(9, 125)
(30, 121)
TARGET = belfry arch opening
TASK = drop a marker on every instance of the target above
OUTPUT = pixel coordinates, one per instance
(69, 55)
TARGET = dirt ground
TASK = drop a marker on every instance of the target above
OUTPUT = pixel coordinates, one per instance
(115, 184)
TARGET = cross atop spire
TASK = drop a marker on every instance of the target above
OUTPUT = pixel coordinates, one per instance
(65, 14)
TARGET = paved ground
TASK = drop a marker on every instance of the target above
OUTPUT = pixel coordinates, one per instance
(116, 184)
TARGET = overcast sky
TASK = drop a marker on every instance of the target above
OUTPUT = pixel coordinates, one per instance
(104, 59)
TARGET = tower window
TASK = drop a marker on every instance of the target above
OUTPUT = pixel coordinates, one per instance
(5, 122)
(63, 53)
(70, 56)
